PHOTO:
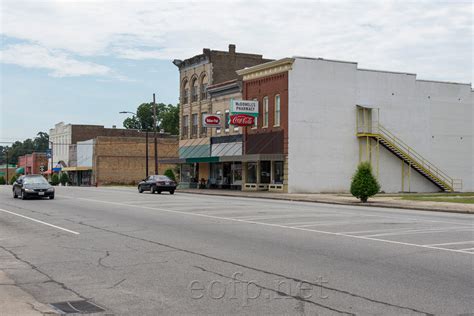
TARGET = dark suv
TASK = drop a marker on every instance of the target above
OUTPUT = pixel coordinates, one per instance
(157, 183)
(32, 185)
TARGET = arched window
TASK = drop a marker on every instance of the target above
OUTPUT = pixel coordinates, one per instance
(194, 90)
(204, 83)
(185, 91)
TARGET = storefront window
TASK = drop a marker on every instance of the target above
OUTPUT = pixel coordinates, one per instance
(237, 173)
(278, 176)
(252, 172)
(186, 172)
(265, 171)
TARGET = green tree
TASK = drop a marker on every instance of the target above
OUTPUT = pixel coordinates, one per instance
(55, 179)
(20, 148)
(170, 174)
(64, 178)
(364, 184)
(167, 117)
(13, 179)
(2, 180)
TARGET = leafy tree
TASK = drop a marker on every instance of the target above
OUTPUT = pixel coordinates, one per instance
(20, 148)
(64, 178)
(2, 180)
(364, 184)
(55, 179)
(13, 179)
(170, 174)
(167, 117)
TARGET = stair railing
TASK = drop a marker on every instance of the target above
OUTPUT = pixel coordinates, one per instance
(375, 128)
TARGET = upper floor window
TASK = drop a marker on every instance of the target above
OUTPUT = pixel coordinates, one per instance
(203, 128)
(218, 129)
(265, 112)
(204, 84)
(185, 96)
(194, 90)
(194, 128)
(185, 126)
(227, 121)
(277, 110)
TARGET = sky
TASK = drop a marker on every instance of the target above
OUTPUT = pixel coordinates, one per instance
(84, 61)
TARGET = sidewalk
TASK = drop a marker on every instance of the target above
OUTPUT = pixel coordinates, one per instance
(344, 199)
(16, 302)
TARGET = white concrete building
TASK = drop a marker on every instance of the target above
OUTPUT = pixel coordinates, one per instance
(327, 100)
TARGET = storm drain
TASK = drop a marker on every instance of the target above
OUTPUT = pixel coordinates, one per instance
(77, 307)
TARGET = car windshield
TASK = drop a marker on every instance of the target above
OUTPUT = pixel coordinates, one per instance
(161, 178)
(35, 180)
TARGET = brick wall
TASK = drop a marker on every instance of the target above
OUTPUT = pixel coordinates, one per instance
(121, 160)
(269, 86)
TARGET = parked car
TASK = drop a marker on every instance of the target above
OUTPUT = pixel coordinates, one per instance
(157, 183)
(32, 185)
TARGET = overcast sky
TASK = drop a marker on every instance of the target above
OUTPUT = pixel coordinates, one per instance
(84, 61)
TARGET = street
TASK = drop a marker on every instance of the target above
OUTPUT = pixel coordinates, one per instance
(151, 254)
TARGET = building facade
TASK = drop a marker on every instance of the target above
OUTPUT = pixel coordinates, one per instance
(417, 134)
(34, 163)
(197, 75)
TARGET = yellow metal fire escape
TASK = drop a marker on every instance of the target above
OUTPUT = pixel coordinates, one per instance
(370, 129)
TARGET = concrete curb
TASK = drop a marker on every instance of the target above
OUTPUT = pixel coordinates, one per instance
(368, 204)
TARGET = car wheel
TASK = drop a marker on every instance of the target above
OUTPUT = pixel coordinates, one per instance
(172, 192)
(140, 190)
(153, 189)
(15, 196)
(51, 197)
(159, 192)
(23, 196)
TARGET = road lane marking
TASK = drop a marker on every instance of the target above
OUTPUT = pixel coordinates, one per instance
(467, 249)
(282, 226)
(453, 243)
(422, 231)
(41, 222)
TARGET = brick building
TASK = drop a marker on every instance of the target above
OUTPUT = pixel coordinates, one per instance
(199, 75)
(65, 136)
(35, 163)
(121, 160)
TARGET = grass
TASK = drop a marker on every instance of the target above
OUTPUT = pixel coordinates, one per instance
(464, 198)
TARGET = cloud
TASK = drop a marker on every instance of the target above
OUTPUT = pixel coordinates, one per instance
(59, 63)
(432, 38)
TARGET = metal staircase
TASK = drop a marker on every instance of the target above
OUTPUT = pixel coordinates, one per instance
(395, 145)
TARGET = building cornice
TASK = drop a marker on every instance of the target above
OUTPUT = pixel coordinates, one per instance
(266, 69)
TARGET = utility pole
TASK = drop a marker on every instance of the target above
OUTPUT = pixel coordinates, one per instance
(146, 152)
(154, 134)
(6, 153)
(51, 171)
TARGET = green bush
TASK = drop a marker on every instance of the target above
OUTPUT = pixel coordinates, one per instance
(64, 178)
(170, 174)
(364, 184)
(13, 179)
(2, 180)
(54, 179)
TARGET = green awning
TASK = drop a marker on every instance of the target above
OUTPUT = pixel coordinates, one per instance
(202, 159)
(20, 170)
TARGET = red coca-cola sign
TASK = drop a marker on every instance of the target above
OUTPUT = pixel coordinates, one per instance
(242, 120)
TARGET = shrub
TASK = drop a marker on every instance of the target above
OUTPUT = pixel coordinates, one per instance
(13, 179)
(54, 179)
(64, 178)
(2, 180)
(364, 184)
(170, 174)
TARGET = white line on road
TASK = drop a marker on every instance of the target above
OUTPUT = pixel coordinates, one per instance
(281, 226)
(41, 222)
(453, 243)
(467, 249)
(422, 231)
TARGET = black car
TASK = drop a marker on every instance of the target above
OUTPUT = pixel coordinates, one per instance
(157, 183)
(32, 185)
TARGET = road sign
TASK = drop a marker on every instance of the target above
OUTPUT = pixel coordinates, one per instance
(49, 153)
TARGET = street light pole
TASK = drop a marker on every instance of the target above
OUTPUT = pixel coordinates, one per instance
(6, 153)
(146, 143)
(154, 135)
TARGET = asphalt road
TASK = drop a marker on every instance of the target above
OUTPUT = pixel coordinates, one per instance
(144, 254)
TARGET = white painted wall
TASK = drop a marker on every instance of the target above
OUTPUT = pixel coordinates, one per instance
(323, 148)
(60, 135)
(85, 152)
